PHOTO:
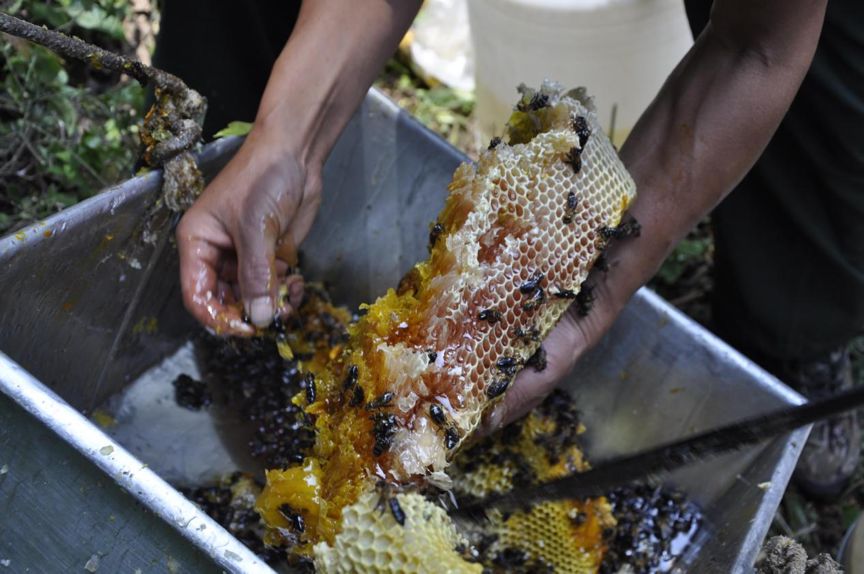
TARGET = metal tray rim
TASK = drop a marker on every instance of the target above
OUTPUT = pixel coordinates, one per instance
(126, 470)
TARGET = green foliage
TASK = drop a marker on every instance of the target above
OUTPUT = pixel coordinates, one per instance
(690, 252)
(105, 16)
(235, 128)
(441, 109)
(65, 133)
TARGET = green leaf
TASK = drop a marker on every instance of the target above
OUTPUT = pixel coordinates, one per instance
(97, 19)
(686, 253)
(60, 199)
(850, 514)
(47, 66)
(91, 140)
(234, 129)
(54, 16)
(5, 222)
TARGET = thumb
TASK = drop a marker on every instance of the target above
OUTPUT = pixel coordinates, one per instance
(256, 269)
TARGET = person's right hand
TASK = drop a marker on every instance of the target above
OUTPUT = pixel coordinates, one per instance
(238, 242)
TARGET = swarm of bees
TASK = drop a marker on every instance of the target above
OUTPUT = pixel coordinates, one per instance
(635, 527)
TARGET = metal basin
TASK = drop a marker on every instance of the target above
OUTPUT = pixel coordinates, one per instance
(79, 324)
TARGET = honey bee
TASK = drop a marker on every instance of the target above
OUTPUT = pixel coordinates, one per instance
(532, 284)
(537, 360)
(582, 129)
(585, 299)
(383, 430)
(490, 315)
(434, 234)
(532, 287)
(295, 519)
(357, 397)
(574, 158)
(537, 101)
(601, 263)
(382, 401)
(629, 228)
(570, 208)
(396, 510)
(451, 438)
(529, 335)
(392, 502)
(310, 388)
(351, 378)
(507, 365)
(497, 388)
(564, 294)
(537, 299)
(436, 413)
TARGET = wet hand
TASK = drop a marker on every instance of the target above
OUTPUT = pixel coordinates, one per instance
(238, 242)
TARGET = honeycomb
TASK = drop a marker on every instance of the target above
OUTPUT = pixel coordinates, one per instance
(563, 536)
(373, 541)
(509, 252)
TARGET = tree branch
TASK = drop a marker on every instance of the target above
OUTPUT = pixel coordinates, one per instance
(172, 126)
(96, 57)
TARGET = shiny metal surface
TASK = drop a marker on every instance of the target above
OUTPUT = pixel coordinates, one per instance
(26, 489)
(658, 376)
(67, 285)
(63, 298)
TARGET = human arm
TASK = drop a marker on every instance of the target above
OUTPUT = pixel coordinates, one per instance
(239, 239)
(703, 132)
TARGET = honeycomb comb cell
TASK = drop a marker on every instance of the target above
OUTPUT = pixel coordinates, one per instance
(509, 252)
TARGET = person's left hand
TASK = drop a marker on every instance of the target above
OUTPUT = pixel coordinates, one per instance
(565, 344)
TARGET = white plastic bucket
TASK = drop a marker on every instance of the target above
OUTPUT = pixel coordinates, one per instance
(620, 50)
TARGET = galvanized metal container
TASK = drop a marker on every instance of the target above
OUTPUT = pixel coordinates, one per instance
(79, 324)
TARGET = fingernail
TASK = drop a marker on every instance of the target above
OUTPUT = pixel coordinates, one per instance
(260, 311)
(495, 418)
(295, 292)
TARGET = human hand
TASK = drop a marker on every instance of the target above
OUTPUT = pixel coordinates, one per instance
(571, 337)
(238, 242)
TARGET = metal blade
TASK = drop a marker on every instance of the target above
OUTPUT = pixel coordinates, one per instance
(619, 471)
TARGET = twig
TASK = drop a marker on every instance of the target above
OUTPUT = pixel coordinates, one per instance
(10, 167)
(781, 522)
(172, 126)
(97, 57)
(805, 532)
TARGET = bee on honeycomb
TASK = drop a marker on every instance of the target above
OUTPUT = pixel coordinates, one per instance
(406, 528)
(409, 386)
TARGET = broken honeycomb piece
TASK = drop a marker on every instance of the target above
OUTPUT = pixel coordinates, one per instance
(566, 535)
(372, 541)
(513, 245)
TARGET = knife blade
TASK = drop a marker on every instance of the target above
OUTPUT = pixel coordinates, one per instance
(670, 456)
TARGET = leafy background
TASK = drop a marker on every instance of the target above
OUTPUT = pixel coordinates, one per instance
(66, 131)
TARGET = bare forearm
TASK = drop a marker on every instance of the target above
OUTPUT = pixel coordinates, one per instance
(242, 233)
(709, 124)
(321, 76)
